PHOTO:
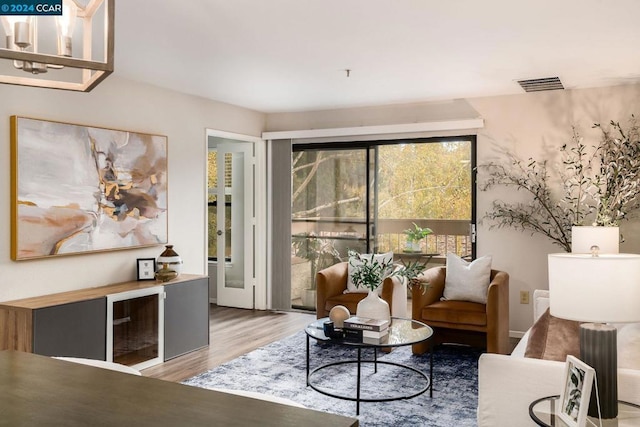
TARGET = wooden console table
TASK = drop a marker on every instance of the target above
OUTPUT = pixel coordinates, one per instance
(74, 323)
(38, 391)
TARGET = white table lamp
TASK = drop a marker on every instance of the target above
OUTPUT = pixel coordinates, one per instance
(597, 289)
(584, 237)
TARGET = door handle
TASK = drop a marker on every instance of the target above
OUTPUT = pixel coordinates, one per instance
(219, 233)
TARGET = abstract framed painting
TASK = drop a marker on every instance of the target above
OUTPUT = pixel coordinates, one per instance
(79, 189)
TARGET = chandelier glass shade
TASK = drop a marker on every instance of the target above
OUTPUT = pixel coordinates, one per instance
(73, 51)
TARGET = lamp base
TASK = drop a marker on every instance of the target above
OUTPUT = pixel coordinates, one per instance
(598, 349)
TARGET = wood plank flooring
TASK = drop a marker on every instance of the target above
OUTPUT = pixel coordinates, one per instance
(233, 332)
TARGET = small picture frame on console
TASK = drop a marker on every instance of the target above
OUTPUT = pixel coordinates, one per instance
(576, 392)
(146, 269)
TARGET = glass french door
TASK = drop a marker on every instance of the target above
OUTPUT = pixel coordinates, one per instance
(362, 196)
(230, 206)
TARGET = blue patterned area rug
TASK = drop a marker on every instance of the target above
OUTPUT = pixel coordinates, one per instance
(279, 369)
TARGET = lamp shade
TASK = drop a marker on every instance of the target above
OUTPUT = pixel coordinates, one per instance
(584, 237)
(601, 289)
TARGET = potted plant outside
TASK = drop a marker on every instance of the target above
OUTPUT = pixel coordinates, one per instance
(320, 253)
(414, 236)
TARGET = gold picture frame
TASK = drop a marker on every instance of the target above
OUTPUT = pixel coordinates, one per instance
(79, 189)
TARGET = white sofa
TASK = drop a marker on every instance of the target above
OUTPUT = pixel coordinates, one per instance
(508, 384)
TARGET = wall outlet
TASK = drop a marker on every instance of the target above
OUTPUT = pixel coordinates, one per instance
(524, 297)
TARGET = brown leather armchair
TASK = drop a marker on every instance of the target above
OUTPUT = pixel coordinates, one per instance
(479, 325)
(331, 284)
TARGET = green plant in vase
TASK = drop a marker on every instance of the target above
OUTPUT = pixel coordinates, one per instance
(414, 236)
(370, 272)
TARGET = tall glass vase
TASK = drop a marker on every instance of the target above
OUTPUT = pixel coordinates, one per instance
(373, 307)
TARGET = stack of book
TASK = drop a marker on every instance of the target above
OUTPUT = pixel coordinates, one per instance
(367, 331)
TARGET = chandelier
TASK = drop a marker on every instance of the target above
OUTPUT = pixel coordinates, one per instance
(72, 51)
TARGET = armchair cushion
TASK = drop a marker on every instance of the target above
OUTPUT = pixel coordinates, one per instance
(458, 312)
(467, 281)
(349, 300)
(351, 287)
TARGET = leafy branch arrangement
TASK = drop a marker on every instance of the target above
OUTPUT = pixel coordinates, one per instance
(370, 273)
(603, 185)
(618, 181)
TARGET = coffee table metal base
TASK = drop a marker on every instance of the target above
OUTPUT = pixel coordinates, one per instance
(358, 362)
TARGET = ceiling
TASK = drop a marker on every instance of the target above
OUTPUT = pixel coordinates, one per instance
(291, 55)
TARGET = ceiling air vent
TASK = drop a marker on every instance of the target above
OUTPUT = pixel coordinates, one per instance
(537, 85)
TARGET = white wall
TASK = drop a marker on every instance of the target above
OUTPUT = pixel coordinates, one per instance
(534, 125)
(121, 104)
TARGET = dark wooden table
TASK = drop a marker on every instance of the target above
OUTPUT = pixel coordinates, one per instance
(41, 391)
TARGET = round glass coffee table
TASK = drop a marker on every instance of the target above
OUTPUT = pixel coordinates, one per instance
(402, 332)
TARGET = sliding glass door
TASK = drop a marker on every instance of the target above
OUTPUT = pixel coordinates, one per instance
(429, 184)
(362, 196)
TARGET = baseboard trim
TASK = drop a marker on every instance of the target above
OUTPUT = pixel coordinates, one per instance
(213, 300)
(516, 334)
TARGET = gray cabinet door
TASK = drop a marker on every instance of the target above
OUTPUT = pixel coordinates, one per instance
(186, 317)
(75, 330)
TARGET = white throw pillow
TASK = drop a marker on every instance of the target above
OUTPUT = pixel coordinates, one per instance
(467, 281)
(351, 287)
(629, 346)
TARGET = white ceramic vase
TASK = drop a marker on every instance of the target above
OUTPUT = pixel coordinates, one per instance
(373, 307)
(413, 246)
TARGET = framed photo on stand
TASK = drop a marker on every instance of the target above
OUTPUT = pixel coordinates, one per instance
(576, 392)
(146, 269)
